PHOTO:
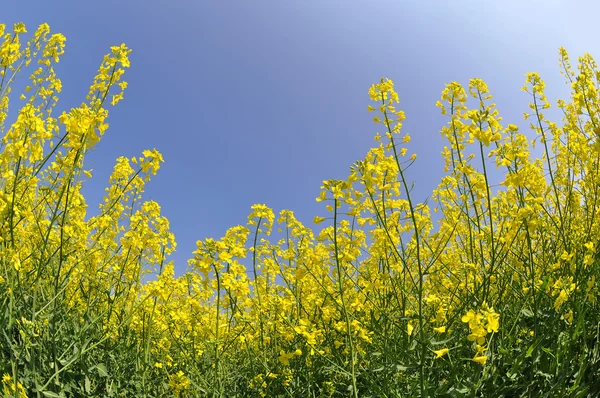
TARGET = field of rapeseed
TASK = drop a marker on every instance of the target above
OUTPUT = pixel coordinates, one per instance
(498, 297)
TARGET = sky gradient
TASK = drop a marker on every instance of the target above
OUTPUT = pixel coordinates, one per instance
(260, 101)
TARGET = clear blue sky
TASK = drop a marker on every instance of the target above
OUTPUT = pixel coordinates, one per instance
(259, 101)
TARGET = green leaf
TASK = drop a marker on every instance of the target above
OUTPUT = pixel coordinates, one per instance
(440, 342)
(102, 371)
(527, 312)
(50, 394)
(548, 351)
(401, 368)
(88, 385)
(531, 348)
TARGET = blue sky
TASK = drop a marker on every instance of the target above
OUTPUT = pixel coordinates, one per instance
(260, 101)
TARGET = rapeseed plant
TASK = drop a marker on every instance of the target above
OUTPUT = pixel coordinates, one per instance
(498, 297)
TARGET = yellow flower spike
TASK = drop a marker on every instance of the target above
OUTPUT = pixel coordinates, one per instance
(19, 27)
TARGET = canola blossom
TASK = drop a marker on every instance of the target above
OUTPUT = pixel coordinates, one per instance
(496, 298)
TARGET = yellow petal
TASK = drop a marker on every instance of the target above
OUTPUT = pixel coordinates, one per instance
(481, 359)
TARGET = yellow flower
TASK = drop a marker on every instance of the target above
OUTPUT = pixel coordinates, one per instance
(493, 322)
(560, 300)
(566, 256)
(482, 359)
(480, 349)
(441, 353)
(472, 319)
(569, 316)
(179, 382)
(285, 358)
(19, 27)
(441, 329)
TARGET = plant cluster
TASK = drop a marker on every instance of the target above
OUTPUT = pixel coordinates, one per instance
(498, 297)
